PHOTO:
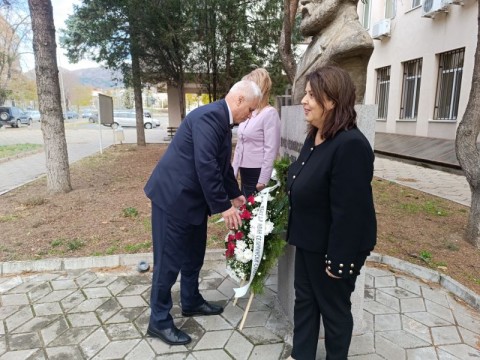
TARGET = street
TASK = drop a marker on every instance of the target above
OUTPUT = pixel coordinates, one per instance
(83, 139)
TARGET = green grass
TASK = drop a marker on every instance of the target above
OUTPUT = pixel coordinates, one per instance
(111, 250)
(130, 212)
(75, 244)
(426, 255)
(5, 218)
(56, 243)
(428, 207)
(7, 151)
(133, 248)
(147, 224)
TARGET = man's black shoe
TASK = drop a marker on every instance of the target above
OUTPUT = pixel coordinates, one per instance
(171, 335)
(205, 309)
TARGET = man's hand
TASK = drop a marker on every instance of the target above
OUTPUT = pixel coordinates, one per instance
(232, 218)
(239, 201)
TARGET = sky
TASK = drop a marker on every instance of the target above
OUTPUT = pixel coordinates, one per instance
(61, 10)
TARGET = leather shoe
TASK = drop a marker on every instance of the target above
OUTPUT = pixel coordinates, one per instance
(171, 335)
(205, 309)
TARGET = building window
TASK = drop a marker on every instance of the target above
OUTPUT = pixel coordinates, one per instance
(415, 3)
(366, 15)
(450, 72)
(383, 88)
(390, 9)
(412, 74)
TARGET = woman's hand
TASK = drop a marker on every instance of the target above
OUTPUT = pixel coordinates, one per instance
(239, 201)
(331, 275)
(260, 186)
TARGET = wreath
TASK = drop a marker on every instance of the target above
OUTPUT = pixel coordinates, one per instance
(253, 249)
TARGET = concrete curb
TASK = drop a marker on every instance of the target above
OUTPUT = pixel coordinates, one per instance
(62, 264)
(457, 289)
(90, 262)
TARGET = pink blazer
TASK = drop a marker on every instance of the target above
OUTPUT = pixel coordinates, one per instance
(258, 141)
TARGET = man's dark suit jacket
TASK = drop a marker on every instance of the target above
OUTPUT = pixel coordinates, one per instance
(195, 176)
(331, 202)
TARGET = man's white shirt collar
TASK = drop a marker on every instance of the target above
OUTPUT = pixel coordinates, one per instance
(230, 116)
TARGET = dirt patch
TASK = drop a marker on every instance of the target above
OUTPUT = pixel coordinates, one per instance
(108, 213)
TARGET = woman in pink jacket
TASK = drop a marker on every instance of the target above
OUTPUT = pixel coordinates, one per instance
(258, 139)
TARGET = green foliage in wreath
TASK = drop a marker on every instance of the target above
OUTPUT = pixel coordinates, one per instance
(277, 211)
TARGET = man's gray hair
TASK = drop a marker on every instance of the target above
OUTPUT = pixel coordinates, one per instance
(247, 88)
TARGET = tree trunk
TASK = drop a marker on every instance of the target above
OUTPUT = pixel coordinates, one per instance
(137, 95)
(473, 226)
(48, 89)
(285, 43)
(181, 95)
(467, 151)
(136, 71)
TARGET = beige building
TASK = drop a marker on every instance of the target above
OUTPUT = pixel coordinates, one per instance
(421, 69)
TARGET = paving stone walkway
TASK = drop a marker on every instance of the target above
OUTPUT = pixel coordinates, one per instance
(84, 314)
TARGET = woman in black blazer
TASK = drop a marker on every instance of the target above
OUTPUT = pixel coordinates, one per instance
(332, 220)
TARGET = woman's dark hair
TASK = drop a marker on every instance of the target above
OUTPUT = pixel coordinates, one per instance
(334, 83)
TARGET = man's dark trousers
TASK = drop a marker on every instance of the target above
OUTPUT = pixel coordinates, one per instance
(177, 246)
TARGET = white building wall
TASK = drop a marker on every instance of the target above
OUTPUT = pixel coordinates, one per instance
(411, 37)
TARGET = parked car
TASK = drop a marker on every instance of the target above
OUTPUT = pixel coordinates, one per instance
(86, 114)
(93, 118)
(147, 113)
(33, 115)
(70, 115)
(156, 121)
(13, 116)
(128, 118)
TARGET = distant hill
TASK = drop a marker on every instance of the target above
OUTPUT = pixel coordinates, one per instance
(99, 78)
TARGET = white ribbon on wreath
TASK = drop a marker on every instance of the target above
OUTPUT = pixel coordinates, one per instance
(259, 235)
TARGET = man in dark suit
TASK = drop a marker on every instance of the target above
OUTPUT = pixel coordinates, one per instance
(193, 179)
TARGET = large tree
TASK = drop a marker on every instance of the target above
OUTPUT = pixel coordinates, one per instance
(233, 37)
(467, 150)
(166, 43)
(48, 89)
(285, 45)
(14, 31)
(114, 40)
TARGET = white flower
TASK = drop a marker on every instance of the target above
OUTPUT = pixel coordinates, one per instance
(268, 227)
(241, 245)
(248, 255)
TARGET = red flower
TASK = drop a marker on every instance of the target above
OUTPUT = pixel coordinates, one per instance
(245, 215)
(231, 237)
(251, 199)
(230, 249)
(243, 207)
(238, 235)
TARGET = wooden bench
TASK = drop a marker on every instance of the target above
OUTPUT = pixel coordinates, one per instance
(171, 130)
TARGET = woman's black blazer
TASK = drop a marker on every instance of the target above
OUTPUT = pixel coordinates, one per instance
(331, 204)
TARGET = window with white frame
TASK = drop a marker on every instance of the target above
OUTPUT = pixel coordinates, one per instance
(416, 3)
(383, 89)
(412, 74)
(449, 80)
(366, 15)
(390, 9)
